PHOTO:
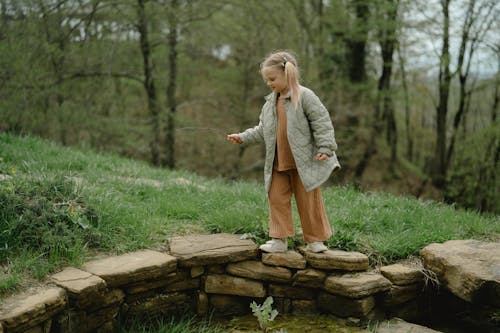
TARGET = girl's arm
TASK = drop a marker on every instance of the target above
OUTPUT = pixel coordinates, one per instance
(321, 124)
(255, 134)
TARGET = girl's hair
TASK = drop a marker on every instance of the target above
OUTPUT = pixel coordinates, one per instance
(285, 61)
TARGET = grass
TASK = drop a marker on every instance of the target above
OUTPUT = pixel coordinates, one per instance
(83, 202)
(162, 325)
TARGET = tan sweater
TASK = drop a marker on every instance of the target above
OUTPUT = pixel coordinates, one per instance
(284, 157)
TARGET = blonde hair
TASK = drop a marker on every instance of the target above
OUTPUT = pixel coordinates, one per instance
(285, 61)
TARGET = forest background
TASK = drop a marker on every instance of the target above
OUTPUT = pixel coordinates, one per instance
(413, 86)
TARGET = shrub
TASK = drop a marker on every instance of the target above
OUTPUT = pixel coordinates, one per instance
(44, 216)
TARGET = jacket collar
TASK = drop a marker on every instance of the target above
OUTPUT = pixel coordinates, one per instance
(272, 96)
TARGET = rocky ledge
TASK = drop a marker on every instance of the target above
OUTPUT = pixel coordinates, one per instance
(223, 274)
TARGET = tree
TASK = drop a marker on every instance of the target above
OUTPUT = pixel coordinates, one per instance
(356, 42)
(478, 18)
(387, 40)
(149, 81)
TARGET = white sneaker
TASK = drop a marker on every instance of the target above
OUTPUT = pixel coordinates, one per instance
(274, 245)
(316, 247)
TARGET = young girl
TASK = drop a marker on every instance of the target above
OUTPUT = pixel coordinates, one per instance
(300, 154)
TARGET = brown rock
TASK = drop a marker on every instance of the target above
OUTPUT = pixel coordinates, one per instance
(197, 271)
(132, 267)
(402, 275)
(44, 327)
(184, 285)
(201, 250)
(401, 294)
(24, 311)
(282, 305)
(202, 304)
(301, 306)
(289, 259)
(278, 290)
(71, 320)
(356, 285)
(467, 268)
(337, 259)
(228, 305)
(397, 325)
(310, 277)
(161, 304)
(231, 285)
(144, 286)
(258, 271)
(82, 287)
(98, 318)
(216, 269)
(113, 297)
(345, 307)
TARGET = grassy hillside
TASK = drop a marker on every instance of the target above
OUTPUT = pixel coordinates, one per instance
(60, 206)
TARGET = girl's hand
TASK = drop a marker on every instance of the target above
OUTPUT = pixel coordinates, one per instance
(321, 157)
(234, 138)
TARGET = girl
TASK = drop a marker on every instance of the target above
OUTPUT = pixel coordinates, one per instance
(300, 154)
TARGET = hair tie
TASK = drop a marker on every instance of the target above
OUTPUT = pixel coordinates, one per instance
(284, 61)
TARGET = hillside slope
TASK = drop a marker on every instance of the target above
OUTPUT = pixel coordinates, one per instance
(60, 205)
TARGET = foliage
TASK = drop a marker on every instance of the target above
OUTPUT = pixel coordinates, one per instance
(72, 72)
(264, 313)
(174, 325)
(46, 216)
(474, 180)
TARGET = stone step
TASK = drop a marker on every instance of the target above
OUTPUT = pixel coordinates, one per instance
(132, 267)
(470, 269)
(201, 250)
(337, 259)
(27, 310)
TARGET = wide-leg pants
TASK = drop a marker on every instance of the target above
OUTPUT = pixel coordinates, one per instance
(315, 226)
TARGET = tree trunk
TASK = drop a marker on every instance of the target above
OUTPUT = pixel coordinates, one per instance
(171, 88)
(384, 107)
(409, 138)
(356, 44)
(439, 170)
(387, 45)
(496, 96)
(149, 82)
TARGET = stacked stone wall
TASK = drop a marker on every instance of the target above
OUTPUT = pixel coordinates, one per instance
(210, 274)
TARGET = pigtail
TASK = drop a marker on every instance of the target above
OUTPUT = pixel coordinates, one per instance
(292, 77)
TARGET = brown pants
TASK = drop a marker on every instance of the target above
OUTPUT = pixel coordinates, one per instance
(315, 226)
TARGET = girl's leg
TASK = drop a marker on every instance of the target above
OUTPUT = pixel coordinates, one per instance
(280, 205)
(315, 226)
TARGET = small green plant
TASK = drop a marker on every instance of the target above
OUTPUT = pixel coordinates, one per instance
(264, 313)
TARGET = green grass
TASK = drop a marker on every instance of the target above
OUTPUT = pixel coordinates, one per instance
(61, 205)
(175, 325)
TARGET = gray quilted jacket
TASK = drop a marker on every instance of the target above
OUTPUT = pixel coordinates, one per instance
(310, 131)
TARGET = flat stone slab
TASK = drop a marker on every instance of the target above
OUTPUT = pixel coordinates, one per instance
(470, 269)
(337, 259)
(81, 286)
(310, 277)
(24, 311)
(397, 325)
(401, 275)
(232, 285)
(257, 270)
(345, 307)
(201, 250)
(132, 267)
(290, 259)
(357, 285)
